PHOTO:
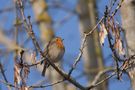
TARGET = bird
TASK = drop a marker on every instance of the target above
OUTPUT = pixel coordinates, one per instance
(54, 51)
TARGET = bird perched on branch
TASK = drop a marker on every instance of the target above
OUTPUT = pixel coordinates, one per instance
(54, 52)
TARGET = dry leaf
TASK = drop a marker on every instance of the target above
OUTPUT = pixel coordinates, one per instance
(33, 57)
(102, 34)
(118, 45)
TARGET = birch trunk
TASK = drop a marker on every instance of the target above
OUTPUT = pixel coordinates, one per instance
(128, 22)
(92, 55)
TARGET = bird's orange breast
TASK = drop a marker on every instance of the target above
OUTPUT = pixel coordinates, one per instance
(59, 43)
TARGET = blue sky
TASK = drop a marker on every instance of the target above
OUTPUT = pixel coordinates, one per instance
(69, 31)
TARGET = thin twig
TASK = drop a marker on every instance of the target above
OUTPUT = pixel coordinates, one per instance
(98, 76)
(83, 44)
(75, 63)
(3, 74)
(8, 84)
(35, 64)
(100, 82)
(52, 84)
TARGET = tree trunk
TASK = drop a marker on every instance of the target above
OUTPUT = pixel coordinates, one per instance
(43, 19)
(128, 22)
(92, 55)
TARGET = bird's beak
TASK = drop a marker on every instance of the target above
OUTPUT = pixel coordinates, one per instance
(62, 39)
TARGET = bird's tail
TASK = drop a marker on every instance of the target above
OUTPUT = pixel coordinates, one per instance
(46, 65)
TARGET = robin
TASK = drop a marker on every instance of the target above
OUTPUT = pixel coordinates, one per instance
(54, 52)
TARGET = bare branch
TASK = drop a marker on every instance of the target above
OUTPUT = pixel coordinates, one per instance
(3, 74)
(8, 84)
(100, 82)
(52, 84)
(98, 76)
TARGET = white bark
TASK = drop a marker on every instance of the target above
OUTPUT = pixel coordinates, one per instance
(92, 52)
(128, 22)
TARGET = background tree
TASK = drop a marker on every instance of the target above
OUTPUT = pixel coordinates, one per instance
(128, 23)
(93, 61)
